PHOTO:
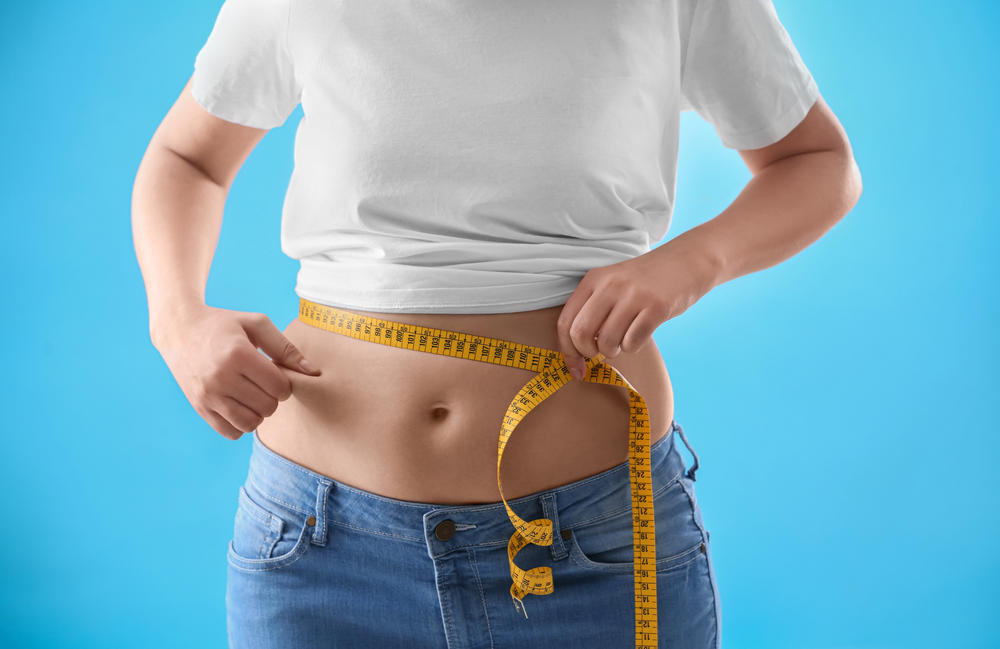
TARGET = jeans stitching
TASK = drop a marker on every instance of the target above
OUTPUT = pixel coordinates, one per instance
(277, 500)
(716, 607)
(476, 545)
(245, 569)
(575, 525)
(446, 607)
(253, 515)
(593, 565)
(267, 543)
(711, 576)
(715, 611)
(475, 569)
(301, 542)
(365, 529)
(605, 474)
(619, 511)
(694, 558)
(319, 534)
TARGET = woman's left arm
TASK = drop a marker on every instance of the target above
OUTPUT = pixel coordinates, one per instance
(802, 186)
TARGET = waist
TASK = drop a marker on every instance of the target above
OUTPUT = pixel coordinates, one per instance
(422, 427)
(579, 502)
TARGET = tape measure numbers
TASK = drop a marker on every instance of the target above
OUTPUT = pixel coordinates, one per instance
(552, 375)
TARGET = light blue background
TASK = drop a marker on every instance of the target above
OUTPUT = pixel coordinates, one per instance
(844, 403)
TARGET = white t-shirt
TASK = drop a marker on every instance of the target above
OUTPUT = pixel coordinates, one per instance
(472, 156)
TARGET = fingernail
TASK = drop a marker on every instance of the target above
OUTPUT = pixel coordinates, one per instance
(304, 364)
(577, 374)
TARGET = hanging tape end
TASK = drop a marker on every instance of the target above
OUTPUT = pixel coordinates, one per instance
(519, 605)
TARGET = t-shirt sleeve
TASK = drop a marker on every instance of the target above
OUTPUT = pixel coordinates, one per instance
(743, 75)
(244, 72)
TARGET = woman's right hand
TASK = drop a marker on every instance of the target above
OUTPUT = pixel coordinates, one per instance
(213, 355)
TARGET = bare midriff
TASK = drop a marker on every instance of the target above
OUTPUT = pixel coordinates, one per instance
(423, 427)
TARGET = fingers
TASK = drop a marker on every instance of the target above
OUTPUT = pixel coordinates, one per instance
(610, 337)
(249, 394)
(242, 418)
(567, 319)
(580, 321)
(588, 323)
(269, 339)
(215, 360)
(268, 377)
(640, 331)
(221, 425)
(607, 315)
(241, 409)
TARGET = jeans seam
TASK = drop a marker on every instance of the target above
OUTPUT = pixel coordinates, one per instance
(446, 606)
(476, 545)
(593, 565)
(245, 569)
(716, 607)
(620, 510)
(475, 569)
(254, 516)
(365, 529)
(249, 562)
(694, 558)
(277, 500)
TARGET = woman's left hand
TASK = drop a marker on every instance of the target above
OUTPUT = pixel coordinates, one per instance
(615, 309)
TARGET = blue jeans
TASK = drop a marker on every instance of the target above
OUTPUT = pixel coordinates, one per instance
(316, 563)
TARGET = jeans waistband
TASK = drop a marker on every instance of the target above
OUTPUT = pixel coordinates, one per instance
(584, 502)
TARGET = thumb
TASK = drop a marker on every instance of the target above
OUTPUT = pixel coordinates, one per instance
(272, 342)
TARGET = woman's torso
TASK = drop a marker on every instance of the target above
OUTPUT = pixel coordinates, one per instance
(424, 427)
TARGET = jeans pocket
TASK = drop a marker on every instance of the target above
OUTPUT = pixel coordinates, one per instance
(607, 544)
(266, 536)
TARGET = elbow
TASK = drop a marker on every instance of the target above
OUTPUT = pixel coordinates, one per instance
(849, 179)
(854, 184)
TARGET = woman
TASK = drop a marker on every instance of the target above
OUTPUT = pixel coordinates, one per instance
(495, 169)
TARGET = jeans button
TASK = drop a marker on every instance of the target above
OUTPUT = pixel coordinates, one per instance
(445, 529)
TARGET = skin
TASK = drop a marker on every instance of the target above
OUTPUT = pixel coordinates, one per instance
(422, 427)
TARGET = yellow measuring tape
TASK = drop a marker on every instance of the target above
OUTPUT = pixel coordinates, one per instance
(552, 375)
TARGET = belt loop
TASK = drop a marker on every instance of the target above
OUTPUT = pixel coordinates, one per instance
(323, 488)
(690, 473)
(550, 511)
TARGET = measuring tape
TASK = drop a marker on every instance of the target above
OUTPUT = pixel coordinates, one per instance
(552, 375)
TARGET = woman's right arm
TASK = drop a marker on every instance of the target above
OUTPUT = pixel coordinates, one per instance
(177, 206)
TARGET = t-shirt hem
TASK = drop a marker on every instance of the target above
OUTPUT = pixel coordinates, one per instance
(495, 306)
(217, 108)
(780, 127)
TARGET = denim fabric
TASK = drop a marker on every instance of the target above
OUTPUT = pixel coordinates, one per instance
(371, 571)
